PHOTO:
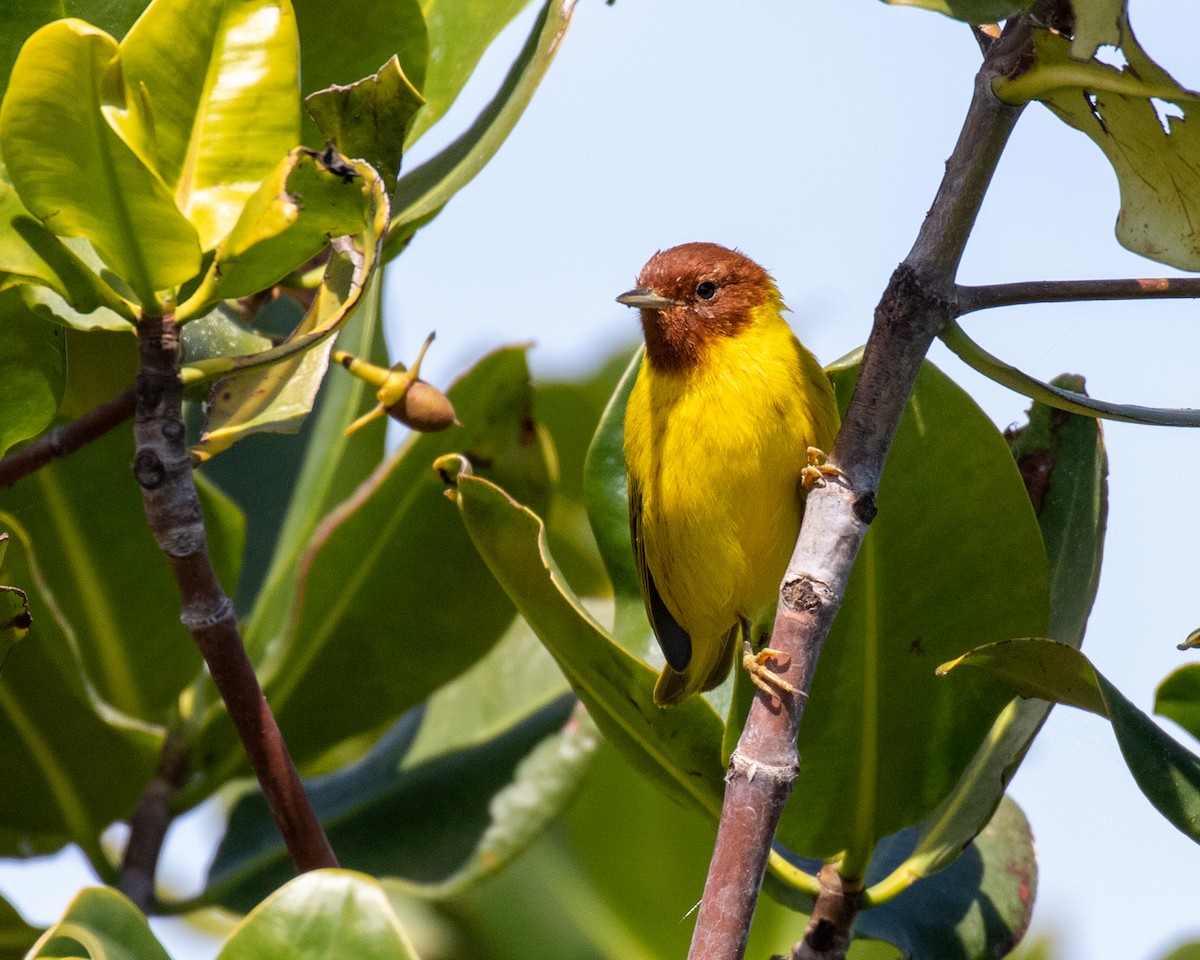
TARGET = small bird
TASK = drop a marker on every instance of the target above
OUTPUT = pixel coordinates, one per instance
(724, 433)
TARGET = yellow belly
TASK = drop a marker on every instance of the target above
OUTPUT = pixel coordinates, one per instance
(718, 452)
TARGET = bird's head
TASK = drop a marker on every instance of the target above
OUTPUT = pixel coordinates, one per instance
(693, 294)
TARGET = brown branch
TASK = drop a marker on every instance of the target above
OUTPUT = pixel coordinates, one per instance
(149, 824)
(917, 302)
(173, 512)
(64, 440)
(992, 295)
(828, 934)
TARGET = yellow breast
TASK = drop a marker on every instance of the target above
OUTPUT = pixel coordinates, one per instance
(717, 451)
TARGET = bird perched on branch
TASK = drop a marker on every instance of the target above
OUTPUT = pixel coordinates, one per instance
(723, 436)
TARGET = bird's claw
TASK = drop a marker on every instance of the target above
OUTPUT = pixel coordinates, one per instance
(767, 680)
(817, 469)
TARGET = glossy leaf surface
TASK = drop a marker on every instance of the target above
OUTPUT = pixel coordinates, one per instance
(274, 390)
(678, 749)
(440, 825)
(100, 924)
(459, 33)
(392, 602)
(1062, 459)
(368, 119)
(322, 915)
(1167, 774)
(1152, 157)
(979, 907)
(1178, 697)
(213, 72)
(342, 41)
(88, 181)
(33, 371)
(31, 253)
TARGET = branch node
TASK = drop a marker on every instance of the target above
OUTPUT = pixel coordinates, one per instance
(804, 594)
(864, 507)
(195, 620)
(742, 766)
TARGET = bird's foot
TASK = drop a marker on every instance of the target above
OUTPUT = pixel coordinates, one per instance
(763, 677)
(817, 469)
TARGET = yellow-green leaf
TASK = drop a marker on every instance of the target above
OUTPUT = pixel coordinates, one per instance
(75, 172)
(221, 79)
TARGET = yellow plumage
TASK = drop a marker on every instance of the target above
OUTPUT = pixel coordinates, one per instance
(715, 449)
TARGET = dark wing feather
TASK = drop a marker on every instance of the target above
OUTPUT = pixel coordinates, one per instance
(672, 638)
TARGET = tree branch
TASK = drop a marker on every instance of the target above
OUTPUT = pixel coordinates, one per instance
(149, 824)
(992, 295)
(64, 440)
(916, 304)
(173, 512)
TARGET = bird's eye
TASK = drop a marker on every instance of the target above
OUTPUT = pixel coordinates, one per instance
(706, 290)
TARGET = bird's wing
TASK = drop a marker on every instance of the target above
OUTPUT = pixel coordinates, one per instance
(672, 638)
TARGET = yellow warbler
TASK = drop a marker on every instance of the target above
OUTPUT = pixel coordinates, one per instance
(723, 435)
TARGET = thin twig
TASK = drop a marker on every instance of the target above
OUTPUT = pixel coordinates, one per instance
(149, 824)
(918, 301)
(65, 440)
(970, 299)
(164, 472)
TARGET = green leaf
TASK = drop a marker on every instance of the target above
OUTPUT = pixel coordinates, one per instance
(1097, 23)
(1152, 158)
(86, 180)
(607, 502)
(441, 825)
(22, 19)
(1062, 459)
(679, 749)
(978, 907)
(110, 584)
(464, 731)
(286, 483)
(602, 907)
(1178, 697)
(459, 33)
(368, 119)
(32, 371)
(218, 334)
(421, 193)
(342, 41)
(100, 924)
(100, 365)
(212, 73)
(1167, 774)
(972, 11)
(307, 199)
(392, 602)
(279, 396)
(322, 915)
(61, 747)
(16, 936)
(30, 253)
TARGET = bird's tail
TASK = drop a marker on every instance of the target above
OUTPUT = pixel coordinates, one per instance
(702, 673)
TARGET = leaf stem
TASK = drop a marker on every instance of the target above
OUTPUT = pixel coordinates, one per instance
(164, 472)
(915, 307)
(64, 440)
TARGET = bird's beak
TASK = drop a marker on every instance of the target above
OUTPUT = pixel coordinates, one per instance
(646, 299)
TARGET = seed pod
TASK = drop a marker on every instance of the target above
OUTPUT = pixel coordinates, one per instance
(423, 407)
